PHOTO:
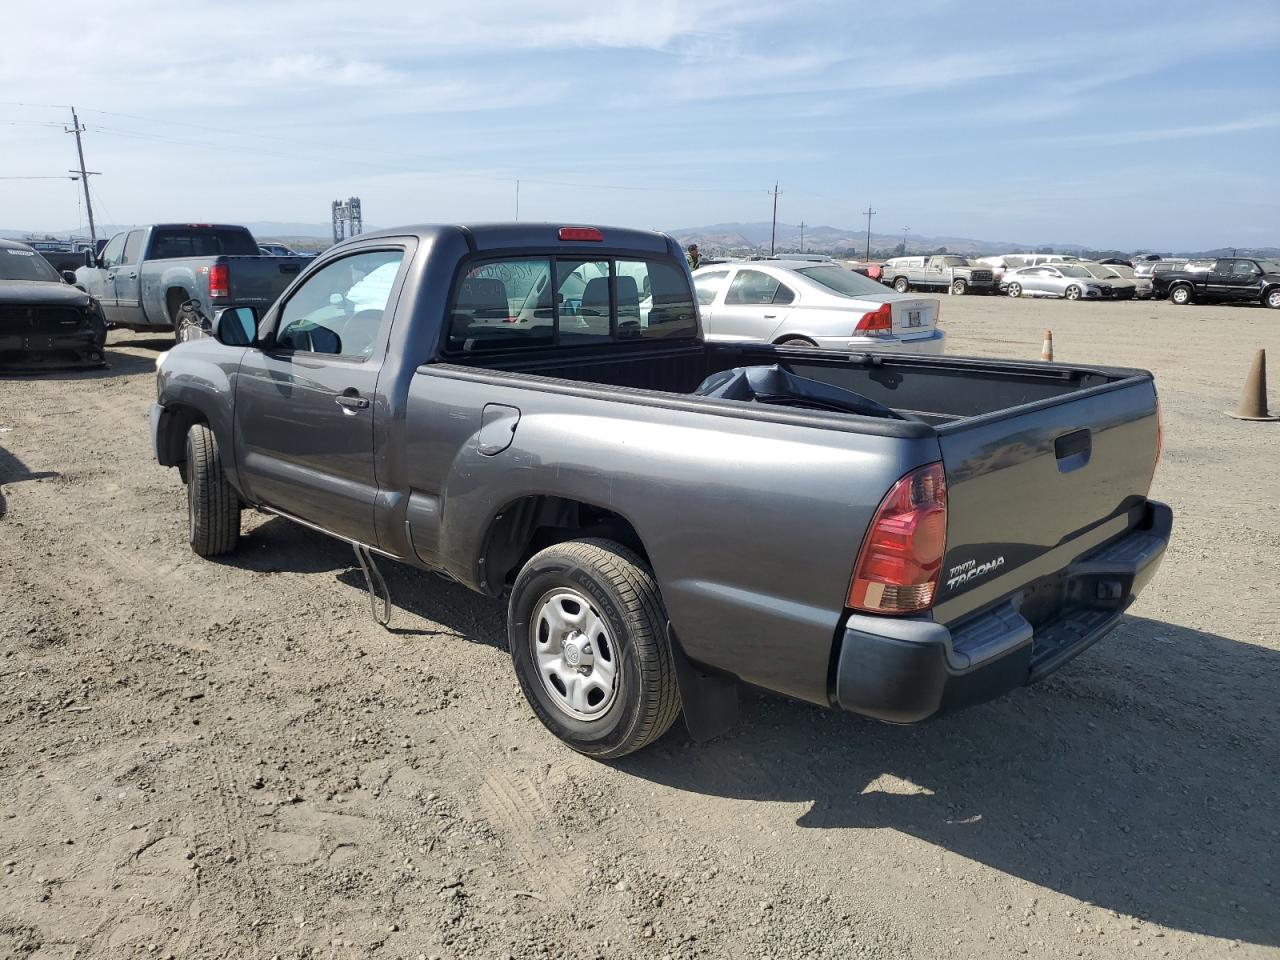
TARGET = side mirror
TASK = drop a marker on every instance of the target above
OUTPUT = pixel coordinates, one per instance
(90, 258)
(235, 326)
(69, 276)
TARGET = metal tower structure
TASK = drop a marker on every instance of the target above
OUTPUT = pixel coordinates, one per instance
(346, 219)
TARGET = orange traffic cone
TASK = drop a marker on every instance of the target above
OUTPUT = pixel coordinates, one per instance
(1253, 402)
(1046, 351)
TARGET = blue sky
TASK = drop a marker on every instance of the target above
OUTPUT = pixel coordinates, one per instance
(1128, 124)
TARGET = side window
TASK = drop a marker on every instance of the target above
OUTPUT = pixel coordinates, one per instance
(654, 301)
(751, 287)
(113, 251)
(339, 309)
(582, 296)
(784, 295)
(1245, 268)
(709, 285)
(133, 247)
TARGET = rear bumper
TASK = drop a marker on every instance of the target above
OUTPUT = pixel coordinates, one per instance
(932, 344)
(907, 670)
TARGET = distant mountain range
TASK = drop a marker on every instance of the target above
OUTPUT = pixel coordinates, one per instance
(739, 238)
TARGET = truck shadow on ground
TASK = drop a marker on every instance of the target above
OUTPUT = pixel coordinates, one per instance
(1141, 778)
(13, 470)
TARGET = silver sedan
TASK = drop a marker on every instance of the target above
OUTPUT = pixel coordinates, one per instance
(1067, 280)
(801, 303)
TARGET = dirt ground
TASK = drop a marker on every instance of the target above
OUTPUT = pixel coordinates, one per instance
(232, 759)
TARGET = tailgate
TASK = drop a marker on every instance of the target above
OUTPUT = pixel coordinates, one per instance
(918, 316)
(258, 281)
(1030, 490)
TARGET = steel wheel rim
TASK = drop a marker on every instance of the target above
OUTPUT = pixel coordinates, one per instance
(575, 655)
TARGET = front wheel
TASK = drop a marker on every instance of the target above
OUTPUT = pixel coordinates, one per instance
(1015, 290)
(958, 288)
(213, 506)
(587, 632)
(1073, 293)
(1272, 298)
(1180, 295)
(901, 285)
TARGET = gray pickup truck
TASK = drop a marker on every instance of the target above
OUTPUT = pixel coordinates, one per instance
(174, 276)
(954, 274)
(532, 411)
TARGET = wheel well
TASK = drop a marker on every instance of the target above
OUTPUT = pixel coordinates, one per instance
(174, 298)
(795, 336)
(534, 523)
(172, 439)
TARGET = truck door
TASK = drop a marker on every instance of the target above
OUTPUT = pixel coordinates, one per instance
(755, 305)
(1245, 280)
(100, 281)
(128, 284)
(307, 403)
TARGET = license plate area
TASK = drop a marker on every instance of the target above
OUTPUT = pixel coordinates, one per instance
(914, 319)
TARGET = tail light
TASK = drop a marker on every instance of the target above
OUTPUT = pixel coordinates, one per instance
(220, 280)
(1159, 440)
(876, 323)
(901, 558)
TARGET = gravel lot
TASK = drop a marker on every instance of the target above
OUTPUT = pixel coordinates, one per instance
(233, 760)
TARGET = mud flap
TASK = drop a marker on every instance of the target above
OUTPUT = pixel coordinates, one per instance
(710, 700)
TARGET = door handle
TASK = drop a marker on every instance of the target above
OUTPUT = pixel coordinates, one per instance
(111, 276)
(771, 316)
(133, 276)
(350, 400)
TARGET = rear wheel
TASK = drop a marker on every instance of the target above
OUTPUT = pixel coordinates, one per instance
(796, 342)
(1272, 298)
(1073, 292)
(587, 632)
(1180, 295)
(1015, 290)
(901, 285)
(213, 506)
(959, 288)
(187, 324)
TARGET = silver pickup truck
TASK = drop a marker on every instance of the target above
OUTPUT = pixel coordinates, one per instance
(533, 411)
(173, 276)
(954, 274)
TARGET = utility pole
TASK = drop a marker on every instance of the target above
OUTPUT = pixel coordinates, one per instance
(802, 236)
(517, 200)
(904, 239)
(84, 175)
(869, 213)
(773, 233)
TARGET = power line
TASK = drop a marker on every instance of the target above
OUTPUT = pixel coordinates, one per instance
(63, 177)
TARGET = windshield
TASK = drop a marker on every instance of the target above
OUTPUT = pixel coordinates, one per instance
(844, 282)
(953, 261)
(19, 264)
(1095, 271)
(1269, 266)
(1071, 270)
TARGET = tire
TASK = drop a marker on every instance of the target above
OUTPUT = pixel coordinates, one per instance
(630, 662)
(959, 288)
(1015, 290)
(901, 285)
(187, 324)
(1073, 293)
(213, 506)
(1272, 298)
(796, 342)
(1180, 295)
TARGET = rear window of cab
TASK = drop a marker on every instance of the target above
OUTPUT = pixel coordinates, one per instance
(526, 302)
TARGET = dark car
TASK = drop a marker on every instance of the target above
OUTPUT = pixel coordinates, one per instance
(44, 321)
(1226, 279)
